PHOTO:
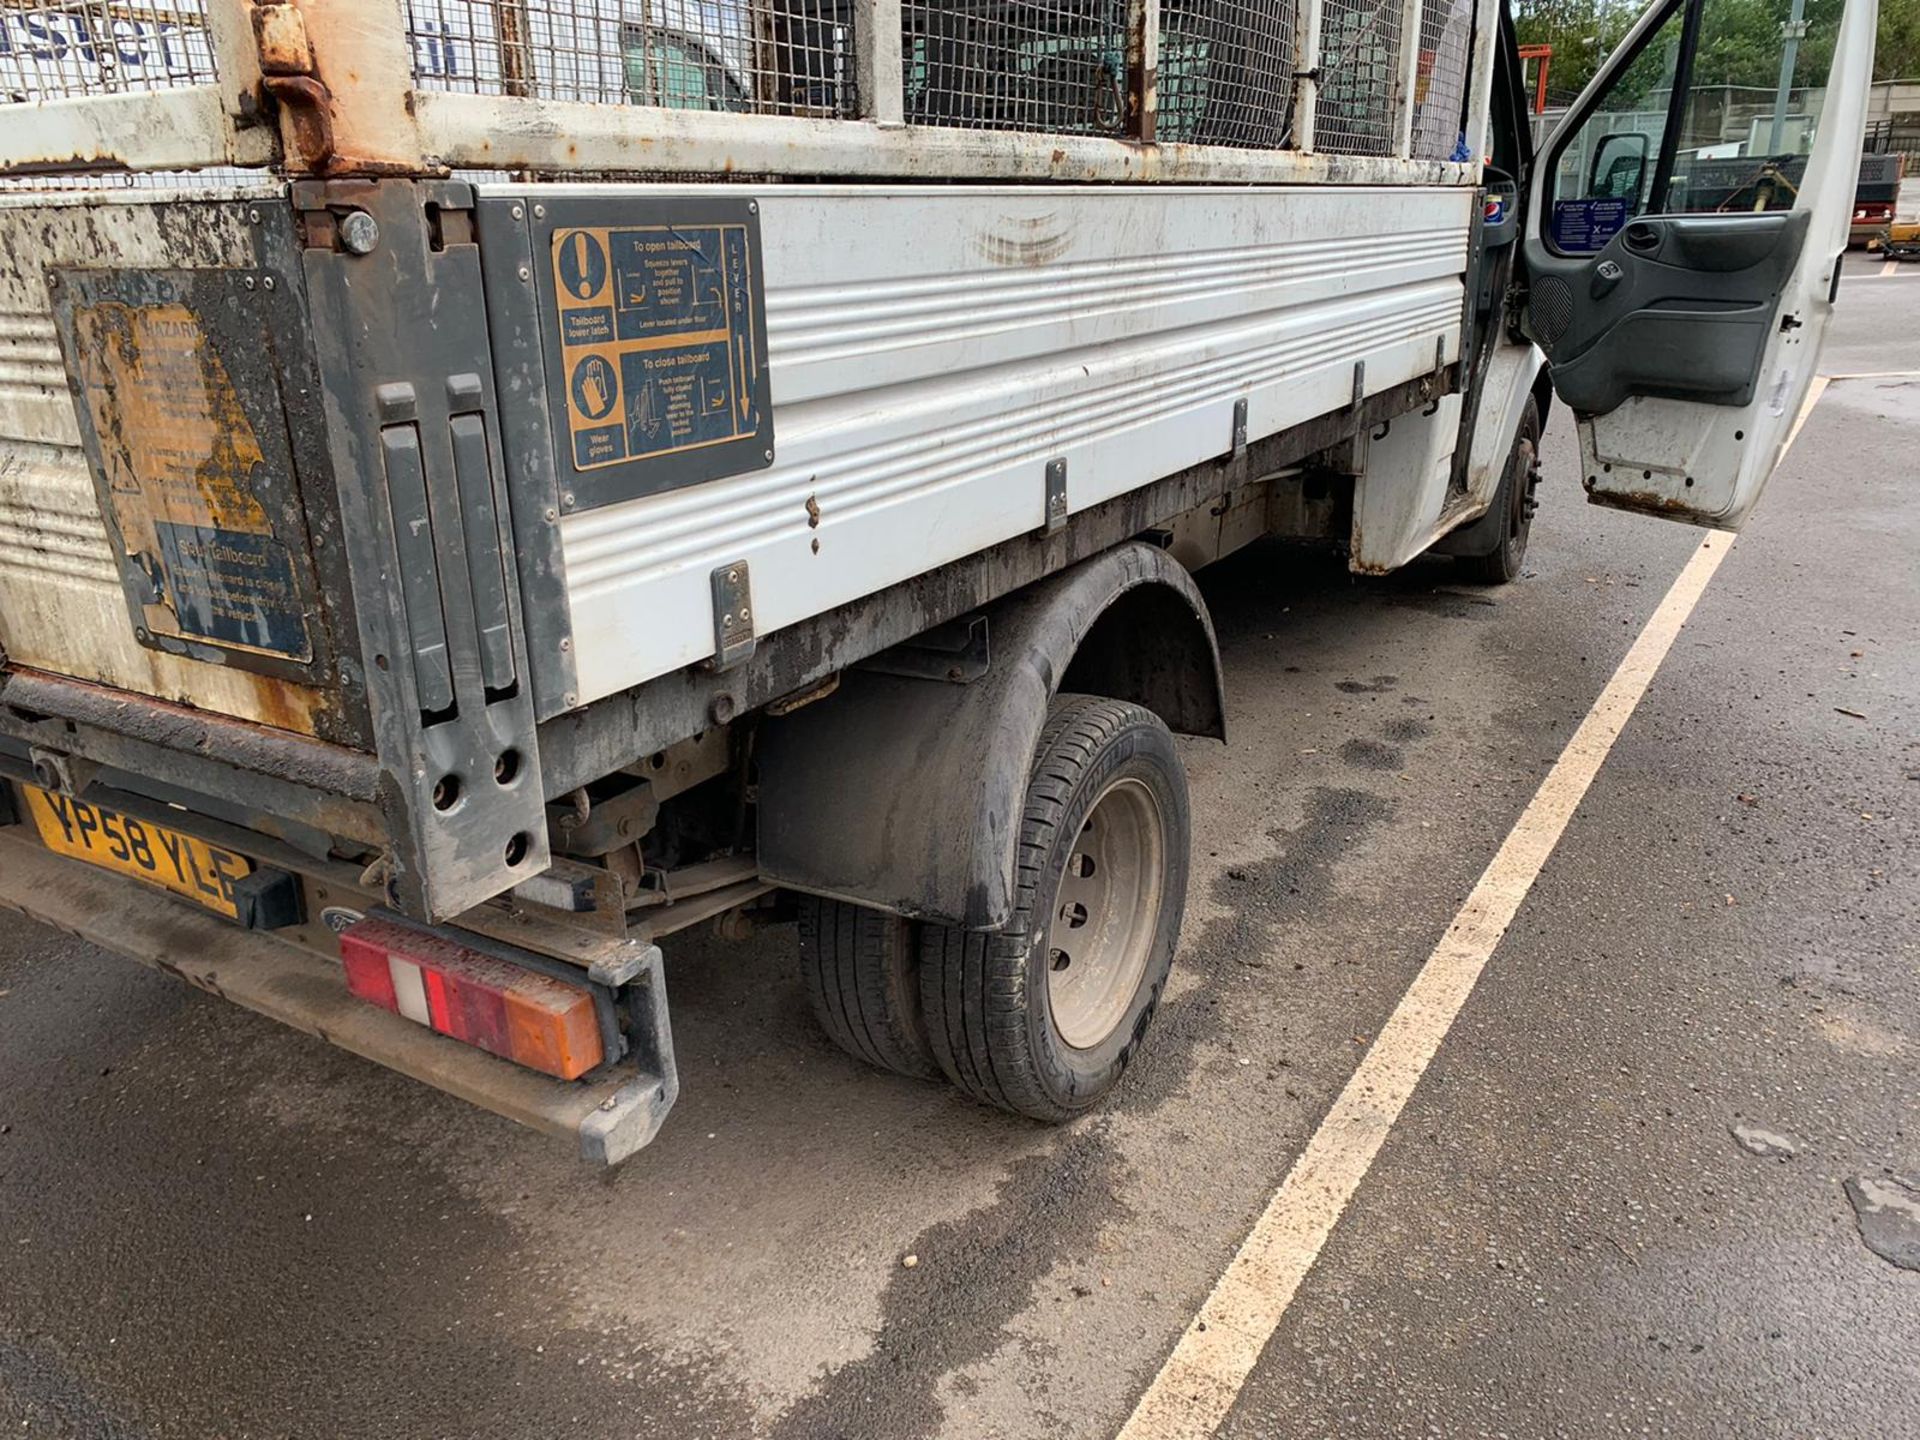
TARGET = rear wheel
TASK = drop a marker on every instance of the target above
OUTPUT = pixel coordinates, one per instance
(863, 980)
(1514, 502)
(1043, 1016)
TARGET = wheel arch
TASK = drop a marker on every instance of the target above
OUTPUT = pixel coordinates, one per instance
(1543, 393)
(1516, 374)
(904, 794)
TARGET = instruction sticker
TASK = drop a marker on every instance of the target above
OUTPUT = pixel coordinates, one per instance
(184, 473)
(1582, 227)
(661, 346)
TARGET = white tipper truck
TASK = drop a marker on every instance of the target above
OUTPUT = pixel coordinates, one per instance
(486, 485)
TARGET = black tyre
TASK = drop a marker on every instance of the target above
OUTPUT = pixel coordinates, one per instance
(1042, 1018)
(1514, 501)
(863, 978)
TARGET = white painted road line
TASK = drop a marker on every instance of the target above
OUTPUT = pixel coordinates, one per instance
(1814, 392)
(1203, 1376)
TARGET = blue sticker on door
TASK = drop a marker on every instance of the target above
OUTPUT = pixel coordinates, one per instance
(1581, 227)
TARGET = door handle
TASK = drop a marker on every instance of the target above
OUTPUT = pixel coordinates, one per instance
(1641, 238)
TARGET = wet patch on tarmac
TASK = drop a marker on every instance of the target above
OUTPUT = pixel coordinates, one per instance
(1365, 754)
(971, 1278)
(1266, 901)
(345, 1200)
(49, 1399)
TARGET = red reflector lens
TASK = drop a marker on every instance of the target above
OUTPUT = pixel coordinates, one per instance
(520, 1015)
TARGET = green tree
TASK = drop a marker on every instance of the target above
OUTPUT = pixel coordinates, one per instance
(1897, 57)
(1581, 32)
(1741, 43)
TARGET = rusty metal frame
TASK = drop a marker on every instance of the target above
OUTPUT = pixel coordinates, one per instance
(185, 129)
(190, 128)
(1143, 69)
(555, 137)
(324, 87)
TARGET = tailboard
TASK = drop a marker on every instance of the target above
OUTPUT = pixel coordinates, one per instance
(157, 533)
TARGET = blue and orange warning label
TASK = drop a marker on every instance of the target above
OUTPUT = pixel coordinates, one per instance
(656, 330)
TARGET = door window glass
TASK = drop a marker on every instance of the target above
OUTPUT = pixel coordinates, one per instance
(1752, 104)
(1734, 139)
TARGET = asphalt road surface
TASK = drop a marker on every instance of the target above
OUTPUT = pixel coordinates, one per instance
(210, 1226)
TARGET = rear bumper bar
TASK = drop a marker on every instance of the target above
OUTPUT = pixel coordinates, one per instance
(609, 1118)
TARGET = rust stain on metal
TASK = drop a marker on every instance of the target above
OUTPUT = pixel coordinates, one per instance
(516, 29)
(287, 705)
(94, 164)
(280, 35)
(181, 461)
(309, 109)
(1650, 502)
(318, 84)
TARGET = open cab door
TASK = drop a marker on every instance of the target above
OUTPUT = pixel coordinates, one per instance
(1685, 230)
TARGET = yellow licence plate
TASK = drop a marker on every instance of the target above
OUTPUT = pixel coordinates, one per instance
(176, 862)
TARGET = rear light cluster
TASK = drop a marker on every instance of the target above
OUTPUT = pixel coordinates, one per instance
(529, 1018)
(1873, 215)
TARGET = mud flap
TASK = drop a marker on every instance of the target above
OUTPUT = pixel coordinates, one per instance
(904, 794)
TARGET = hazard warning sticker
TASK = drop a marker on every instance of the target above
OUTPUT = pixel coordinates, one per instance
(662, 351)
(193, 478)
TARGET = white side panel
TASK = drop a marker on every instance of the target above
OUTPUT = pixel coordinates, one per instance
(931, 349)
(1399, 497)
(1504, 392)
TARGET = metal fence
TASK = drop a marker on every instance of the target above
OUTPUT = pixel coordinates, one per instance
(1225, 70)
(1058, 67)
(1230, 82)
(1440, 84)
(1359, 54)
(1899, 135)
(757, 57)
(101, 47)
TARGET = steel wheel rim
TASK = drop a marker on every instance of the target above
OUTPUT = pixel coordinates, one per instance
(1525, 477)
(1520, 509)
(1105, 914)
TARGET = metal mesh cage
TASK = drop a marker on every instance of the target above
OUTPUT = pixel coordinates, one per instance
(758, 57)
(1058, 66)
(1440, 86)
(219, 179)
(101, 47)
(1359, 55)
(1226, 73)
